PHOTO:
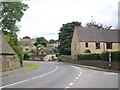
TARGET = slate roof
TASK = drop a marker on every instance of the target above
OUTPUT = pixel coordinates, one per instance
(27, 42)
(5, 47)
(93, 34)
(47, 51)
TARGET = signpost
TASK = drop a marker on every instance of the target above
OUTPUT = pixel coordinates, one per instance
(110, 59)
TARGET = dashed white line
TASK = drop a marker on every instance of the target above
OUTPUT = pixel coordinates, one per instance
(77, 78)
(30, 79)
(67, 87)
(71, 84)
(79, 75)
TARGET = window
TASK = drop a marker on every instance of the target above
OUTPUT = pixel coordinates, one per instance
(26, 49)
(86, 45)
(75, 46)
(42, 52)
(97, 45)
(109, 45)
(26, 44)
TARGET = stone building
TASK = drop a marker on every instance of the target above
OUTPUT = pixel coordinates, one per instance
(43, 54)
(27, 44)
(8, 59)
(93, 40)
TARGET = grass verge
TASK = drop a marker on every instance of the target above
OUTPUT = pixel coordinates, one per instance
(30, 66)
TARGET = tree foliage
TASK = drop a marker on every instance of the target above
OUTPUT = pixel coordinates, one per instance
(26, 37)
(98, 25)
(41, 40)
(65, 37)
(11, 14)
(52, 41)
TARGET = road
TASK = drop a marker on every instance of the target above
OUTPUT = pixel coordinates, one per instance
(61, 75)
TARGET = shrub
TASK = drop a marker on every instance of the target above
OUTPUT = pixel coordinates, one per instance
(61, 57)
(89, 56)
(27, 55)
(105, 55)
(115, 55)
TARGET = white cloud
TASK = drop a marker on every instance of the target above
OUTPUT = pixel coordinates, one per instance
(45, 17)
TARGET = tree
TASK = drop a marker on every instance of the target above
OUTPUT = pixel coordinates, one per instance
(11, 14)
(65, 37)
(41, 40)
(52, 41)
(26, 37)
(98, 25)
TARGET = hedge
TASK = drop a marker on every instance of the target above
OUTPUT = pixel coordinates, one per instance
(115, 56)
(89, 56)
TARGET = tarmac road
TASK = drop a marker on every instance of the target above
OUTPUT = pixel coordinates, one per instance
(61, 75)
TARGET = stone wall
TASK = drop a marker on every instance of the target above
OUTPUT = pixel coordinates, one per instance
(94, 63)
(9, 62)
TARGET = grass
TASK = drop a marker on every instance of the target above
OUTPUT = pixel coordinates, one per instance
(27, 67)
(31, 66)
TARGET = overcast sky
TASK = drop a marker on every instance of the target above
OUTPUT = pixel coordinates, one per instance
(45, 17)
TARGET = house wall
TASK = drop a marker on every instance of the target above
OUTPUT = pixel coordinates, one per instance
(91, 47)
(49, 57)
(75, 46)
(9, 62)
(80, 48)
(115, 47)
(29, 48)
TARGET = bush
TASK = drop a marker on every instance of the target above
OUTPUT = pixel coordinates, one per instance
(19, 53)
(105, 55)
(61, 57)
(27, 55)
(115, 55)
(89, 56)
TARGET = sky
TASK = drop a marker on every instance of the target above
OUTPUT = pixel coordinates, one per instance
(44, 18)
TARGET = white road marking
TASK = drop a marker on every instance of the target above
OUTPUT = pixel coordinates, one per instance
(109, 73)
(77, 78)
(79, 75)
(71, 84)
(30, 78)
(67, 87)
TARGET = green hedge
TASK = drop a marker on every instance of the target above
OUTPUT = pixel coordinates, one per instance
(115, 55)
(89, 56)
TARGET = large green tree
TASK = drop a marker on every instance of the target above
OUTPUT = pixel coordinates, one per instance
(65, 37)
(12, 13)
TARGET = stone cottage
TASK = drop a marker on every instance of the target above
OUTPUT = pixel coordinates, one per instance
(43, 54)
(93, 40)
(27, 44)
(8, 58)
